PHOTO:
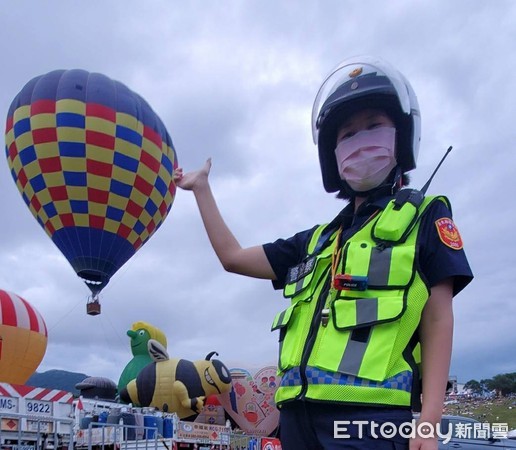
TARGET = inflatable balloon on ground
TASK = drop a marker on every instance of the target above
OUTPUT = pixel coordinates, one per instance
(140, 333)
(94, 164)
(250, 403)
(100, 388)
(23, 338)
(177, 385)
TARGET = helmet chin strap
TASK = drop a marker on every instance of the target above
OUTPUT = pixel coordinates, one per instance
(398, 180)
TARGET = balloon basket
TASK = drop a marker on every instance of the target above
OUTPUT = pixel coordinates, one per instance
(93, 307)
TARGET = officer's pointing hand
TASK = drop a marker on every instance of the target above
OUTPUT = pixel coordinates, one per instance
(192, 180)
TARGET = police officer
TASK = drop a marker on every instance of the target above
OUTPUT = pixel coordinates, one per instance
(371, 291)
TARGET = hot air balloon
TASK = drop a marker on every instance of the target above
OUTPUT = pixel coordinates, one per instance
(23, 338)
(94, 164)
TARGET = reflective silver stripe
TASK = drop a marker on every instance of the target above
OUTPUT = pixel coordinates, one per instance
(299, 285)
(280, 318)
(352, 357)
(379, 266)
(367, 310)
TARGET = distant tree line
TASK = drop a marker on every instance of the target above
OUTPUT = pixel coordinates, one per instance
(503, 384)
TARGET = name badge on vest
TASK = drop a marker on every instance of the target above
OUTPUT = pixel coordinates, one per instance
(301, 270)
(346, 282)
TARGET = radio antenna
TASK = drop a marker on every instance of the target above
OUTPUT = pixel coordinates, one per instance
(427, 184)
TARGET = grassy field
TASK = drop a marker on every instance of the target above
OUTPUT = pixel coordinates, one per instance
(492, 411)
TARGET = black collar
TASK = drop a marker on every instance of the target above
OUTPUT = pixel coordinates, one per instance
(347, 219)
(371, 205)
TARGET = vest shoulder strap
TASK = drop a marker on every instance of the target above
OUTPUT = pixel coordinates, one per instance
(320, 238)
(398, 219)
(394, 224)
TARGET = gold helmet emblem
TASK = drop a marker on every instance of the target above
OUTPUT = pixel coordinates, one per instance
(355, 72)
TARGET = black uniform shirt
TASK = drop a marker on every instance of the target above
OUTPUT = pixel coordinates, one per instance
(437, 259)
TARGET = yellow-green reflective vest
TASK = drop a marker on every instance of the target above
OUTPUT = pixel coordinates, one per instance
(356, 346)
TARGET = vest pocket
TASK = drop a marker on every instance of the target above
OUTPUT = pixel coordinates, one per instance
(305, 283)
(293, 324)
(364, 312)
(305, 277)
(361, 337)
(376, 263)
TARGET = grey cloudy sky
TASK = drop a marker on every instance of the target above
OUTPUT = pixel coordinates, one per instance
(235, 80)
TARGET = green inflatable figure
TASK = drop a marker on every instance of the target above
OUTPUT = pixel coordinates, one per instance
(140, 334)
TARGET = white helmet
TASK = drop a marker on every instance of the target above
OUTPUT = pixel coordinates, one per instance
(357, 83)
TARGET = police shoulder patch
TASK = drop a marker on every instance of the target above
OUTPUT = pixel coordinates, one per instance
(448, 233)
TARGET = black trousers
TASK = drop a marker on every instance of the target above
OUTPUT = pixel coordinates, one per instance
(320, 426)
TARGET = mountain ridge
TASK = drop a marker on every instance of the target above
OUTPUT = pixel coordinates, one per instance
(57, 379)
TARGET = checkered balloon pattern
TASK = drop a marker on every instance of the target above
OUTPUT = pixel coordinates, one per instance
(94, 164)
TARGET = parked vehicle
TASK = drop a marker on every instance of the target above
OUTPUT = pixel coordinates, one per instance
(34, 418)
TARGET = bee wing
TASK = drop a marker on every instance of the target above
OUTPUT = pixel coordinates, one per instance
(157, 351)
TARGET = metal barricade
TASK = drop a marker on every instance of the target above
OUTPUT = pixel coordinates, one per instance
(99, 435)
(35, 432)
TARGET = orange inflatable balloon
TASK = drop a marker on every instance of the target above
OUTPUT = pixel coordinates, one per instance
(23, 338)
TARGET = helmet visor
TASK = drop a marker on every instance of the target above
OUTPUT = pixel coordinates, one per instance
(352, 68)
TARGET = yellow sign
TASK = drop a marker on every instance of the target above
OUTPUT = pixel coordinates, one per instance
(200, 431)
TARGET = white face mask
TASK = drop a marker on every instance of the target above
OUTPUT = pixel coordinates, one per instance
(365, 159)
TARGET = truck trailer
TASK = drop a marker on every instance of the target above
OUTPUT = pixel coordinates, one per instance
(34, 418)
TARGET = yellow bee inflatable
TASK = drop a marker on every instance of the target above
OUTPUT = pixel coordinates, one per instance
(176, 385)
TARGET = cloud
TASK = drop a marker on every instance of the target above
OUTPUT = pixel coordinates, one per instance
(236, 82)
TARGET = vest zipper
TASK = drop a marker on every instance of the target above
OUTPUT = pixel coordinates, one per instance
(312, 334)
(317, 316)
